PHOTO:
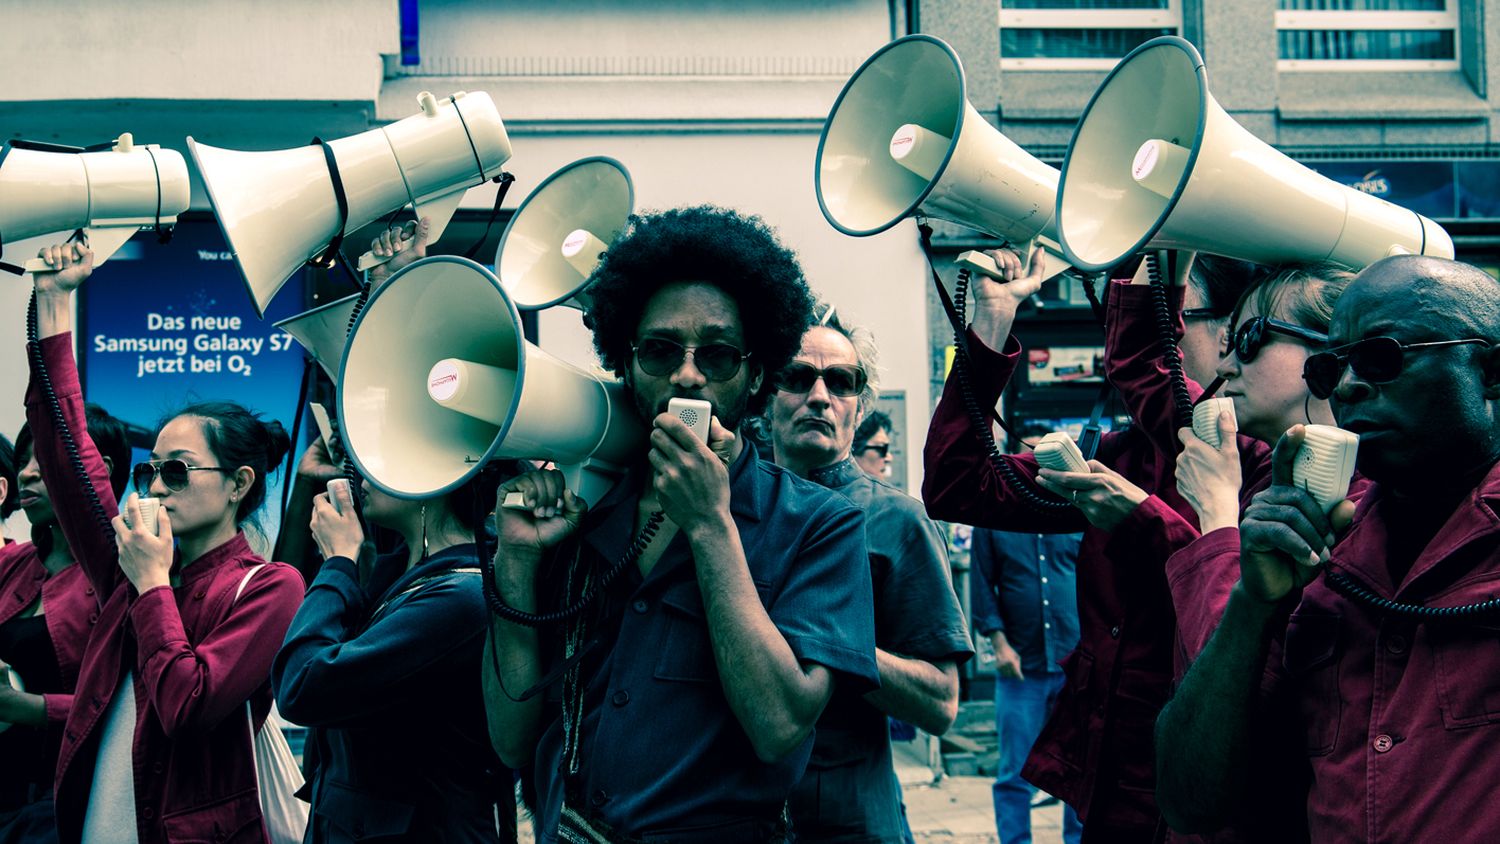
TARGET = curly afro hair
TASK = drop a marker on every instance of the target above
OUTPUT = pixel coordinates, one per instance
(738, 254)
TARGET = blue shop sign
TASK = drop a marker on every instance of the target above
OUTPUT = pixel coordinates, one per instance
(1426, 187)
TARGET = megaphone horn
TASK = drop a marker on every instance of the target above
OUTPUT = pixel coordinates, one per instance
(1157, 163)
(323, 331)
(110, 194)
(552, 244)
(903, 140)
(438, 379)
(280, 209)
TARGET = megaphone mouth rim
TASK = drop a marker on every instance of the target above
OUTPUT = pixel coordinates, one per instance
(213, 204)
(1201, 72)
(313, 310)
(537, 191)
(515, 397)
(958, 125)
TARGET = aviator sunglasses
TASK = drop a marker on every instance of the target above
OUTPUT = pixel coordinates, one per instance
(174, 473)
(717, 361)
(841, 379)
(882, 449)
(1375, 360)
(1253, 335)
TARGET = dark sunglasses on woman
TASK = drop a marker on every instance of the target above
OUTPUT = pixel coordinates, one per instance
(659, 357)
(1254, 333)
(1375, 360)
(174, 473)
(841, 379)
(882, 449)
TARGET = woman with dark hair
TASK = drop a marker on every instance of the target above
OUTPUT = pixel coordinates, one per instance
(377, 648)
(45, 603)
(157, 746)
(385, 671)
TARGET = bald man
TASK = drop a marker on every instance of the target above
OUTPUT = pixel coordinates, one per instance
(1396, 712)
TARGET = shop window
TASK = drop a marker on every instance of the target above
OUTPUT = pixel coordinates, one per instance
(1080, 34)
(1367, 34)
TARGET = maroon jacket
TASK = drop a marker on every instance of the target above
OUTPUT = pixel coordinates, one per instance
(1400, 720)
(1096, 751)
(68, 603)
(197, 655)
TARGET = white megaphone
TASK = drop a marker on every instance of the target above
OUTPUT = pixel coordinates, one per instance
(279, 209)
(902, 140)
(1156, 163)
(438, 380)
(322, 331)
(111, 194)
(552, 244)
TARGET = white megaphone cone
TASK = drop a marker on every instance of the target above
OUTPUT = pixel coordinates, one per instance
(902, 140)
(110, 194)
(279, 209)
(1157, 163)
(438, 380)
(322, 331)
(552, 244)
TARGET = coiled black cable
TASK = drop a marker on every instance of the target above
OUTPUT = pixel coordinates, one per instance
(632, 554)
(1182, 404)
(979, 419)
(54, 408)
(1358, 592)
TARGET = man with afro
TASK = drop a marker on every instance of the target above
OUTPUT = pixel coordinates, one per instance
(680, 703)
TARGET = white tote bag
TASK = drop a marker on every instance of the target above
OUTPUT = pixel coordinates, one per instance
(276, 773)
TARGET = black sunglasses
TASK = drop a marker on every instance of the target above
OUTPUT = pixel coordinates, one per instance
(882, 449)
(174, 473)
(841, 379)
(1375, 360)
(717, 361)
(1253, 335)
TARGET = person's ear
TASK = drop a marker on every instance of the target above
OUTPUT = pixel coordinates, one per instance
(757, 374)
(244, 479)
(1489, 366)
(4, 490)
(109, 465)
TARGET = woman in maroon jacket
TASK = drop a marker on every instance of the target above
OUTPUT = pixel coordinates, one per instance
(45, 603)
(156, 747)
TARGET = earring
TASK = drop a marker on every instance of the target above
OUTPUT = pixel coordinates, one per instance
(424, 531)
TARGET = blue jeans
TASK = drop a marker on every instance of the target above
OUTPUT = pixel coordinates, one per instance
(1021, 709)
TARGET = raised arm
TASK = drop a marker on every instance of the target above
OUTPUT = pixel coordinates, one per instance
(90, 540)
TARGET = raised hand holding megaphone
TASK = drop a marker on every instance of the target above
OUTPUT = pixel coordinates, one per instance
(109, 194)
(902, 140)
(283, 208)
(1157, 163)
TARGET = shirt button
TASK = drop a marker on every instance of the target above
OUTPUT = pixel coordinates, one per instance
(599, 798)
(620, 698)
(89, 591)
(1046, 625)
(93, 618)
(1383, 743)
(1046, 603)
(1044, 580)
(639, 606)
(1114, 632)
(1396, 645)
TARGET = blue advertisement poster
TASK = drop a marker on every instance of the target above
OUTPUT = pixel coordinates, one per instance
(161, 327)
(1425, 187)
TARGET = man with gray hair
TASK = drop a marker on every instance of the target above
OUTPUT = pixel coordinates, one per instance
(849, 792)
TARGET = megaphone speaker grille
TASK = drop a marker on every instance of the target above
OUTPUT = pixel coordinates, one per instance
(1159, 92)
(917, 80)
(400, 438)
